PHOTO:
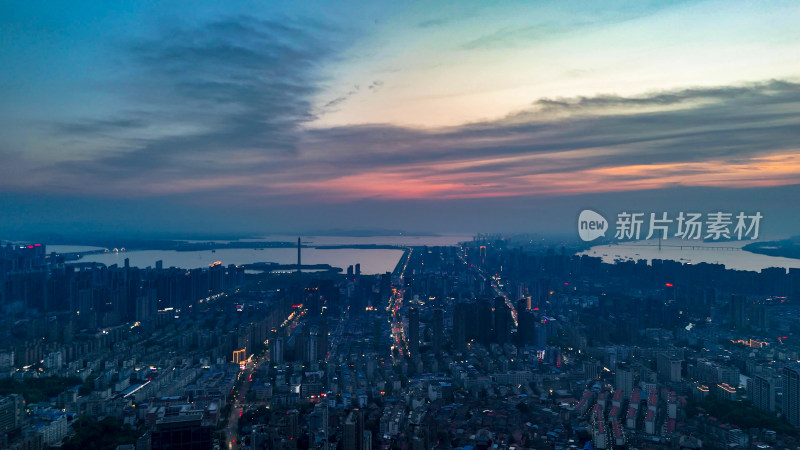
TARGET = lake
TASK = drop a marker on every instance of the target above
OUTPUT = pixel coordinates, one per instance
(404, 240)
(708, 252)
(373, 261)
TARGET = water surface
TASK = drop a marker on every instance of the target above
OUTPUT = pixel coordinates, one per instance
(692, 252)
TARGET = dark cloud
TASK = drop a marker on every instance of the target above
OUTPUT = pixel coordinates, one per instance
(338, 101)
(432, 23)
(727, 93)
(95, 127)
(331, 105)
(265, 151)
(236, 88)
(723, 123)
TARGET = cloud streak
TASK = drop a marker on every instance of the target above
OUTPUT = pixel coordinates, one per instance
(226, 108)
(230, 96)
(692, 137)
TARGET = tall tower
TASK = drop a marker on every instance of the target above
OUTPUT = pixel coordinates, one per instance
(298, 255)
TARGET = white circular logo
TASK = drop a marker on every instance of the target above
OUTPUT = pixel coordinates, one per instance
(591, 225)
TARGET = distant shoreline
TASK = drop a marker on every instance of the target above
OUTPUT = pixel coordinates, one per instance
(183, 246)
(786, 248)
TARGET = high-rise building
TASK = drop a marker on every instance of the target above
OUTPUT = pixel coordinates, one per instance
(763, 394)
(526, 329)
(322, 340)
(760, 317)
(438, 331)
(312, 346)
(592, 369)
(738, 316)
(367, 440)
(318, 420)
(669, 368)
(413, 332)
(791, 394)
(725, 391)
(354, 431)
(12, 408)
(276, 350)
(502, 321)
(460, 323)
(623, 378)
(299, 344)
(541, 335)
(292, 423)
(483, 321)
(239, 356)
(186, 432)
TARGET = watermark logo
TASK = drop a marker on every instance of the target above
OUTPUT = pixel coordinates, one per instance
(712, 226)
(591, 225)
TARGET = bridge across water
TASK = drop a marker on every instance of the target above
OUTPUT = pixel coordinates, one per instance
(689, 247)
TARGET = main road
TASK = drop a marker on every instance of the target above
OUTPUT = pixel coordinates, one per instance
(399, 340)
(498, 291)
(239, 404)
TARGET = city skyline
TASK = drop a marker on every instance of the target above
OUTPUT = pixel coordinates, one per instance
(451, 225)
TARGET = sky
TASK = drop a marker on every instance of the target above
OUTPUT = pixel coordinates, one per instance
(145, 117)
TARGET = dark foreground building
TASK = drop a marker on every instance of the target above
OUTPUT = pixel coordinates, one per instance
(181, 432)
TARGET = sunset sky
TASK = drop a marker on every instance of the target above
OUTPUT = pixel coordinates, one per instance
(255, 117)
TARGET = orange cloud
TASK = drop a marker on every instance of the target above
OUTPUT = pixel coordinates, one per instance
(438, 180)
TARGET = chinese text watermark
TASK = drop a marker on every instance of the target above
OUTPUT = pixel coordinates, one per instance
(712, 226)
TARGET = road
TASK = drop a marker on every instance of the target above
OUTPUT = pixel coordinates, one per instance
(399, 340)
(239, 403)
(337, 336)
(498, 291)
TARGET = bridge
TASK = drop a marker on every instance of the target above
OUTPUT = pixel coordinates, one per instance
(689, 247)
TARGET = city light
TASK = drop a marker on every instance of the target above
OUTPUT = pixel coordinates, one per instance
(400, 226)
